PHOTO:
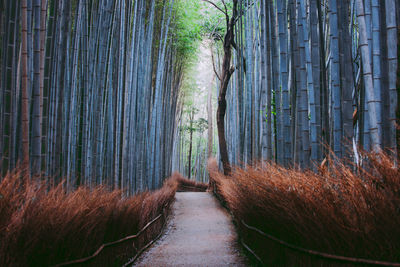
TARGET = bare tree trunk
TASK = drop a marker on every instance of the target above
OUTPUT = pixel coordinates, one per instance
(43, 16)
(392, 56)
(325, 126)
(24, 93)
(36, 100)
(209, 118)
(398, 91)
(227, 71)
(190, 154)
(191, 118)
(369, 87)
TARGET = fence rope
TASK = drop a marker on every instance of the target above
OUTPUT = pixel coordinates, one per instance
(131, 261)
(251, 251)
(317, 253)
(109, 244)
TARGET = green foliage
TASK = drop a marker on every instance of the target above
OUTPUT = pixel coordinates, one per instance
(190, 111)
(201, 125)
(187, 30)
(189, 85)
(192, 125)
(214, 24)
(273, 104)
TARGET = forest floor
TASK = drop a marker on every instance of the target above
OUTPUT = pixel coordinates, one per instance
(200, 233)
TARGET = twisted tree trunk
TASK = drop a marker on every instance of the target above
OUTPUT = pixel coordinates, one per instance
(227, 71)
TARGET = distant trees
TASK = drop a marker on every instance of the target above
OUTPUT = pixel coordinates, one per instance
(190, 128)
(311, 73)
(190, 139)
(224, 77)
(90, 89)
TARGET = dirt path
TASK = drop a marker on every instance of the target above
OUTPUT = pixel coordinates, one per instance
(200, 233)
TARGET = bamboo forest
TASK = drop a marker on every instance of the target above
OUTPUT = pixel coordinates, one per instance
(126, 121)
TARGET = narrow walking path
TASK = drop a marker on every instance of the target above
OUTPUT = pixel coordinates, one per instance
(200, 233)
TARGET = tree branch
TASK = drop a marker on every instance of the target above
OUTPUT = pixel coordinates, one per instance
(212, 53)
(226, 11)
(233, 43)
(217, 7)
(213, 31)
(244, 11)
(215, 69)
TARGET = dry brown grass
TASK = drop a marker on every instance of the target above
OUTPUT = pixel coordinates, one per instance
(39, 228)
(355, 214)
(189, 185)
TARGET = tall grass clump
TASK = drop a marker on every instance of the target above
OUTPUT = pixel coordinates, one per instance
(185, 184)
(337, 210)
(40, 227)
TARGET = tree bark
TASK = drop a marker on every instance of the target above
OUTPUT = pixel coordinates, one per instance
(190, 154)
(227, 71)
(209, 118)
(392, 57)
(37, 96)
(367, 73)
(24, 94)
